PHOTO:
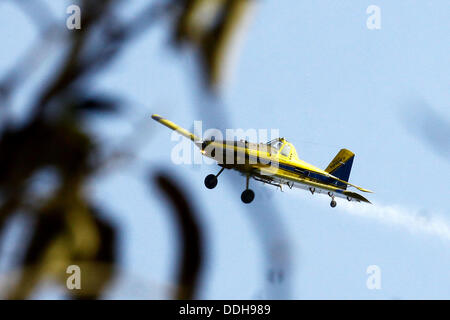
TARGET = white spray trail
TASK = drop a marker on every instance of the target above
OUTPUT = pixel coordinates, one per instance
(415, 221)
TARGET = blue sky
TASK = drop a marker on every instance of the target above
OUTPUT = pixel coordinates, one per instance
(314, 71)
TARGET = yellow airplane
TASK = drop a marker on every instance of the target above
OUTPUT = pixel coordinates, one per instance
(275, 163)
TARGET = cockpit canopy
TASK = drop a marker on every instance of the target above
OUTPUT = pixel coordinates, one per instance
(276, 144)
(283, 147)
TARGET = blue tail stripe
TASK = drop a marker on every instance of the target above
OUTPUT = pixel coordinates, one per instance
(343, 172)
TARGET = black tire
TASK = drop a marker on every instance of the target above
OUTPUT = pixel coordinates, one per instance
(333, 203)
(210, 181)
(247, 196)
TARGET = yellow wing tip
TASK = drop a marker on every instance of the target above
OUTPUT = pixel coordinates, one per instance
(156, 117)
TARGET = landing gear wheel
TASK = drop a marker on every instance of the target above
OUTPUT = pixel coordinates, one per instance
(247, 196)
(333, 203)
(210, 181)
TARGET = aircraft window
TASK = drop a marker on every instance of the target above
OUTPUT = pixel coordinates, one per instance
(276, 145)
(294, 154)
(286, 150)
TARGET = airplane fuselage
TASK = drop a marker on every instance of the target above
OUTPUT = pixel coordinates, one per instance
(264, 163)
(275, 163)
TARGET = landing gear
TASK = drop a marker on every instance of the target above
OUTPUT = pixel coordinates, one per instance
(247, 195)
(211, 180)
(333, 202)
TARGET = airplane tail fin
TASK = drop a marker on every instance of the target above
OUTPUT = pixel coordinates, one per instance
(341, 166)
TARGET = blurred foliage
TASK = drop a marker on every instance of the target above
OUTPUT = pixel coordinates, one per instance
(210, 26)
(191, 241)
(429, 125)
(67, 228)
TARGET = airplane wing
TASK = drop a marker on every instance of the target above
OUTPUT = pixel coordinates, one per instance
(176, 128)
(293, 180)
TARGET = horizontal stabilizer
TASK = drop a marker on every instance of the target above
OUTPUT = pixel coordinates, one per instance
(349, 184)
(356, 196)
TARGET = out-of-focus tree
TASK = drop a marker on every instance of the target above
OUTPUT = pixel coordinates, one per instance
(431, 127)
(67, 228)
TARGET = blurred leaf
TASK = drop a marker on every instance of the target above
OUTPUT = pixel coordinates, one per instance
(430, 126)
(210, 26)
(190, 237)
